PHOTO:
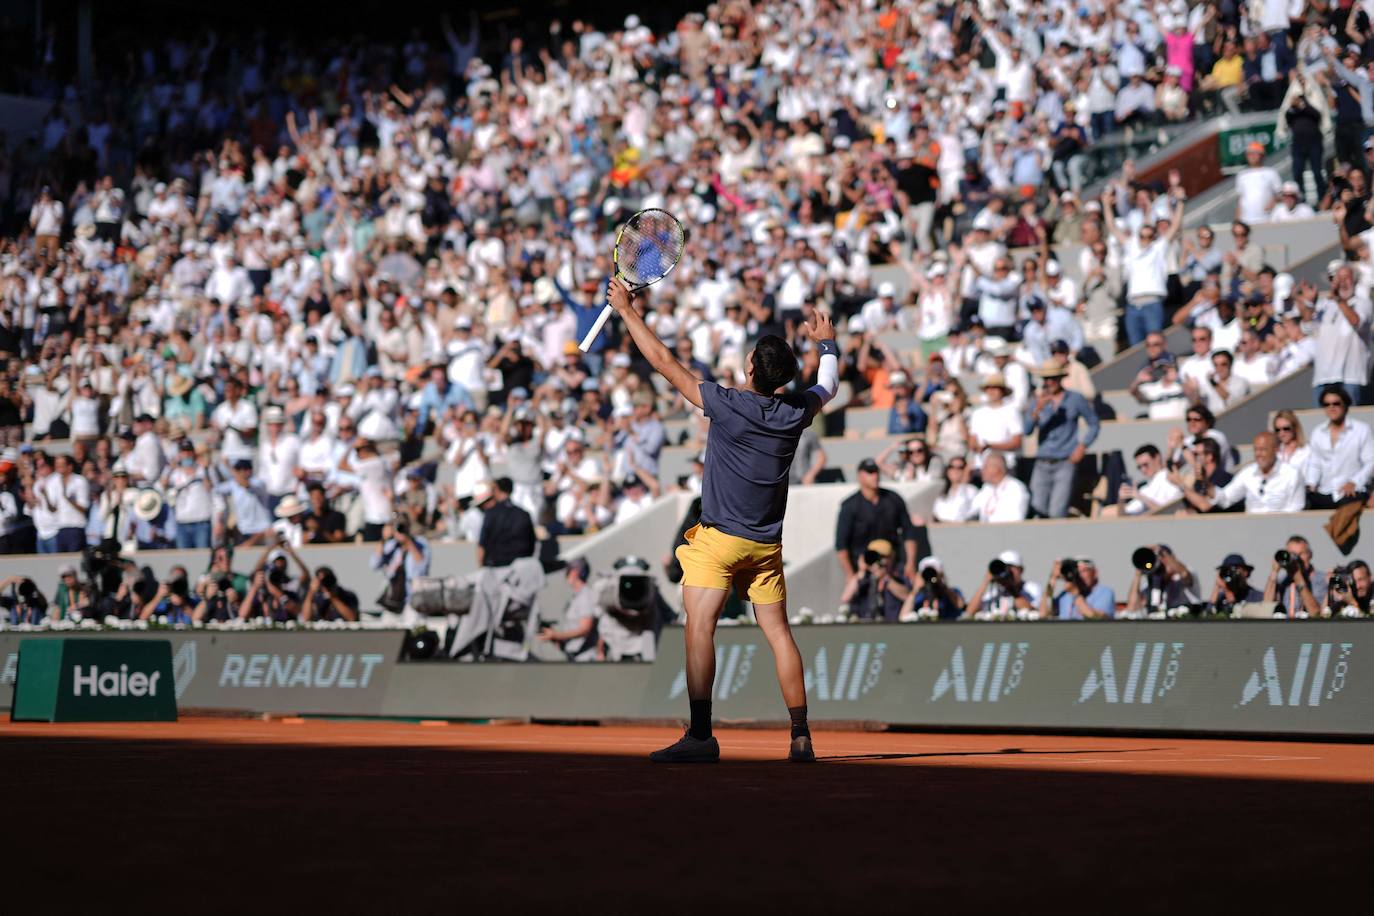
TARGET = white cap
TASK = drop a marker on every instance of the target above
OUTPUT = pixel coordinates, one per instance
(1283, 286)
(931, 563)
(581, 215)
(1011, 558)
(621, 359)
(1289, 187)
(996, 346)
(937, 269)
(898, 377)
(857, 325)
(887, 291)
(1052, 269)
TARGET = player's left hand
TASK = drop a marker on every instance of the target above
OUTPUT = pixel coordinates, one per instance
(619, 295)
(820, 327)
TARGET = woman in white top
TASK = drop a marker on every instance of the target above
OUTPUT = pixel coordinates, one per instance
(914, 464)
(955, 504)
(1292, 449)
(948, 434)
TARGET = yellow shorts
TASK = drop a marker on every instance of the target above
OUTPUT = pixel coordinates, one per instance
(713, 559)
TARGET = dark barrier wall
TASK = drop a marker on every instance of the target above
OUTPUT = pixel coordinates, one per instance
(342, 673)
(1228, 676)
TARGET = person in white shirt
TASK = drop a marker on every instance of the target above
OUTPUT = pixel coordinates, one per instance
(955, 504)
(278, 457)
(237, 420)
(1164, 396)
(1343, 319)
(85, 407)
(1291, 206)
(1266, 485)
(1252, 363)
(1158, 490)
(1341, 454)
(1292, 443)
(635, 499)
(1257, 187)
(189, 490)
(67, 495)
(995, 427)
(1002, 497)
(146, 461)
(1198, 365)
(1145, 262)
(45, 219)
(997, 296)
(1221, 388)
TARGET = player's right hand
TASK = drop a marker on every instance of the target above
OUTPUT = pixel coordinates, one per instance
(820, 327)
(618, 294)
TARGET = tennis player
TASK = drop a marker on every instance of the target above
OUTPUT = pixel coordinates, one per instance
(753, 436)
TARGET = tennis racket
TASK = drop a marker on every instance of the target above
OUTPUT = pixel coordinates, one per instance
(647, 248)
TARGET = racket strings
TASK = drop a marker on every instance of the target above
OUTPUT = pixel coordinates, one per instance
(650, 246)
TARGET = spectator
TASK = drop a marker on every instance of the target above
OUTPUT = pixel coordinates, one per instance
(1157, 491)
(874, 514)
(1292, 444)
(65, 494)
(1004, 591)
(1257, 187)
(996, 427)
(1349, 590)
(1265, 485)
(1342, 354)
(190, 491)
(809, 460)
(1291, 206)
(1207, 477)
(507, 531)
(278, 457)
(1002, 498)
(905, 416)
(1202, 425)
(915, 463)
(1341, 454)
(1292, 585)
(323, 524)
(1145, 261)
(1060, 445)
(955, 502)
(1161, 391)
(1083, 596)
(246, 520)
(1220, 389)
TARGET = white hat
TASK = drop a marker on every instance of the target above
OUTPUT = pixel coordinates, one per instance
(1289, 187)
(937, 269)
(581, 215)
(481, 492)
(463, 321)
(857, 325)
(621, 359)
(931, 563)
(345, 390)
(160, 187)
(631, 22)
(996, 346)
(1052, 269)
(274, 414)
(1283, 285)
(1011, 558)
(147, 504)
(886, 290)
(624, 410)
(544, 291)
(289, 507)
(897, 377)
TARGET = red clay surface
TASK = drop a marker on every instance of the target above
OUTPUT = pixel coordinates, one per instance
(245, 815)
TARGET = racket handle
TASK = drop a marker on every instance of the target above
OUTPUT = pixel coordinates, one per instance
(587, 341)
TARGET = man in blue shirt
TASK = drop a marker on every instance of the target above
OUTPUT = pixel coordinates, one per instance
(1082, 598)
(905, 416)
(1060, 445)
(439, 394)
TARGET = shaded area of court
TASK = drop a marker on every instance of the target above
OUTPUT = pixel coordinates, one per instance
(217, 815)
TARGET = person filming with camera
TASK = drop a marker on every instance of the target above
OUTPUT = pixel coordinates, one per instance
(935, 598)
(1232, 587)
(1004, 592)
(879, 588)
(1291, 585)
(1160, 582)
(401, 557)
(1083, 597)
(1348, 590)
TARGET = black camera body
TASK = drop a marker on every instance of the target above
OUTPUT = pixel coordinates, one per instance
(1068, 570)
(1234, 578)
(1340, 580)
(1288, 561)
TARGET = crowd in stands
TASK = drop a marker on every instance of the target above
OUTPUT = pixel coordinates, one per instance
(256, 293)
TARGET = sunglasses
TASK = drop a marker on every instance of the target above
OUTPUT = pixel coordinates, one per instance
(1282, 429)
(1142, 467)
(1333, 403)
(1195, 419)
(957, 467)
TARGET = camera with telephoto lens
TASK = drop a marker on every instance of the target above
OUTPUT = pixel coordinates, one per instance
(873, 558)
(1146, 560)
(1068, 571)
(1000, 571)
(1339, 580)
(1234, 578)
(178, 587)
(401, 526)
(1288, 561)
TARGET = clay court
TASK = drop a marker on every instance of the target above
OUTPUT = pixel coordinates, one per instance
(223, 814)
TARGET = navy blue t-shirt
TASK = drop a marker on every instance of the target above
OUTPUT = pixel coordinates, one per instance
(748, 454)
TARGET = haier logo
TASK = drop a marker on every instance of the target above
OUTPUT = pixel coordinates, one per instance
(121, 683)
(1000, 667)
(1307, 674)
(858, 671)
(345, 670)
(733, 667)
(1160, 675)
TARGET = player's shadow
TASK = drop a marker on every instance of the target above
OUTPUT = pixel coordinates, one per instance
(1005, 750)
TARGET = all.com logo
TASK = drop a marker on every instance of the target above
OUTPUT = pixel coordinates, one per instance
(856, 671)
(1309, 679)
(1000, 669)
(1145, 681)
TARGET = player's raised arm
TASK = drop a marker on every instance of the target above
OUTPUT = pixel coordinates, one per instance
(821, 330)
(654, 350)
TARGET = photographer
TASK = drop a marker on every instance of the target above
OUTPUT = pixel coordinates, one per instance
(878, 590)
(1160, 581)
(172, 602)
(629, 613)
(1348, 590)
(1083, 596)
(325, 599)
(576, 638)
(216, 598)
(1232, 587)
(24, 603)
(1291, 583)
(934, 598)
(402, 558)
(1003, 592)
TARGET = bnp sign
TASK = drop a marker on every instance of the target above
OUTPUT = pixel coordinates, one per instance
(95, 680)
